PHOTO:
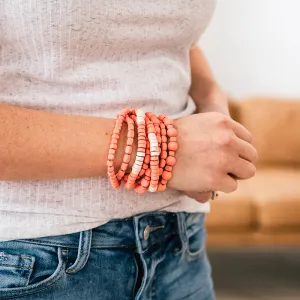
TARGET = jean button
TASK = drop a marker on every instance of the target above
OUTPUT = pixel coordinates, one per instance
(147, 232)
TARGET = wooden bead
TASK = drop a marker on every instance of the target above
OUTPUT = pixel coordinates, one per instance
(166, 175)
(142, 172)
(171, 153)
(163, 154)
(172, 146)
(164, 146)
(114, 141)
(147, 159)
(130, 134)
(161, 187)
(162, 163)
(109, 163)
(111, 151)
(145, 183)
(171, 161)
(172, 132)
(128, 149)
(173, 139)
(126, 158)
(148, 172)
(140, 189)
(168, 121)
(168, 168)
(111, 156)
(129, 141)
(124, 166)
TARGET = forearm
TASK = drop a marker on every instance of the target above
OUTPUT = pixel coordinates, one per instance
(41, 145)
(205, 91)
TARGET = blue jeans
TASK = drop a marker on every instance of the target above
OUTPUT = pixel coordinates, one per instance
(156, 255)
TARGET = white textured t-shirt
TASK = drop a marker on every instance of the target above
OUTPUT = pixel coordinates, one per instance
(93, 57)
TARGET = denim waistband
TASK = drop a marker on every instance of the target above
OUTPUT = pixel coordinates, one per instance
(140, 233)
(117, 233)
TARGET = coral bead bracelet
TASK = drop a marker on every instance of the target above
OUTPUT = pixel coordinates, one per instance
(156, 148)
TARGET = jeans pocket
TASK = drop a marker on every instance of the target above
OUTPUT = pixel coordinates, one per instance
(27, 267)
(196, 234)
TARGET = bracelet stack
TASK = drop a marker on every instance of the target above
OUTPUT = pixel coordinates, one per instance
(155, 157)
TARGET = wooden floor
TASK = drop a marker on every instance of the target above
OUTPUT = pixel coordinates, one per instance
(256, 273)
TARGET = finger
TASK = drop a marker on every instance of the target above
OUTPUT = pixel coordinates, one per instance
(243, 169)
(241, 132)
(245, 150)
(228, 185)
(200, 197)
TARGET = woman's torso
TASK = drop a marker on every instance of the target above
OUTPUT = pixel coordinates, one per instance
(93, 58)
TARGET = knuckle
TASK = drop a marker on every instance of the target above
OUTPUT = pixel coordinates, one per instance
(226, 138)
(223, 120)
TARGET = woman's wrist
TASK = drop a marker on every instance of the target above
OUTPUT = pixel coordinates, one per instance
(213, 99)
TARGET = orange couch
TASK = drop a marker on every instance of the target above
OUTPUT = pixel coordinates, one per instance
(266, 208)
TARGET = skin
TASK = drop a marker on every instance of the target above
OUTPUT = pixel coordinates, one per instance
(42, 145)
(209, 97)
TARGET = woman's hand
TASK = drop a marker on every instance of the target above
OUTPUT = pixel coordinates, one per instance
(213, 152)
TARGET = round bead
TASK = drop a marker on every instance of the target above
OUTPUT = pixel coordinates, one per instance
(172, 132)
(161, 187)
(172, 146)
(168, 122)
(163, 154)
(162, 163)
(171, 161)
(171, 153)
(145, 183)
(140, 189)
(168, 168)
(166, 175)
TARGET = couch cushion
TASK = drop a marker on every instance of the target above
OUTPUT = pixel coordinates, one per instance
(276, 196)
(275, 126)
(269, 201)
(232, 212)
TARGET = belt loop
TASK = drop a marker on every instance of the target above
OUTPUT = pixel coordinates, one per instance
(182, 230)
(84, 249)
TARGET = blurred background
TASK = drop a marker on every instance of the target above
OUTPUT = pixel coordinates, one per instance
(254, 233)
